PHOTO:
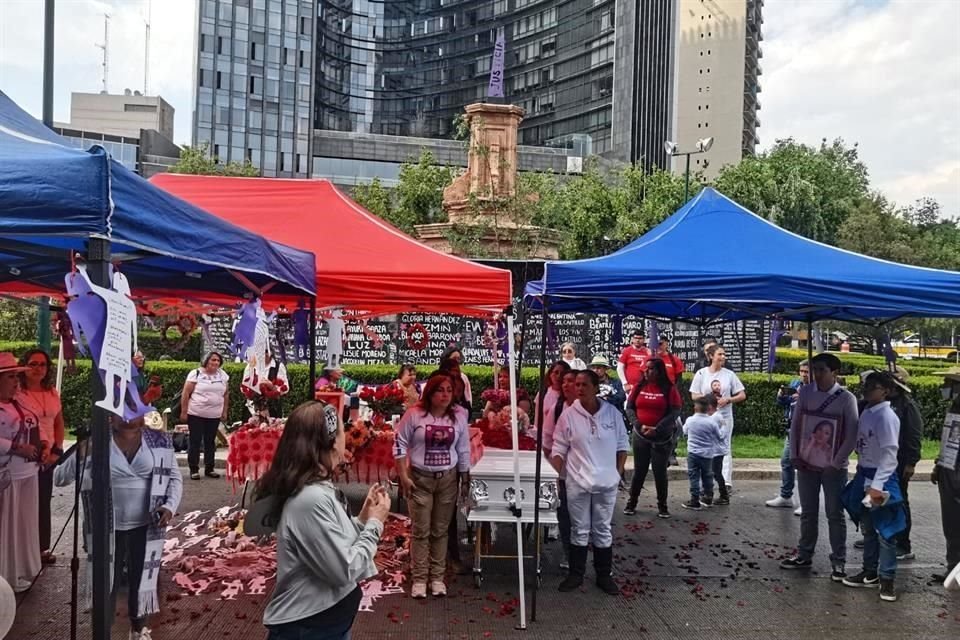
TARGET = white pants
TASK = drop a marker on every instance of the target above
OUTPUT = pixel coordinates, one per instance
(728, 459)
(591, 516)
(19, 533)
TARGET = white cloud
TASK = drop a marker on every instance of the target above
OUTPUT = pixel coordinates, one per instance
(77, 60)
(883, 74)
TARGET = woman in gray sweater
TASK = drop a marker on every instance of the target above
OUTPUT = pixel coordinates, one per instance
(322, 552)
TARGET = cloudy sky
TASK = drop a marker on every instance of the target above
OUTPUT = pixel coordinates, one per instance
(883, 73)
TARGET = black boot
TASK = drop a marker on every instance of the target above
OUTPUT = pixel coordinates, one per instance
(578, 566)
(603, 565)
(724, 498)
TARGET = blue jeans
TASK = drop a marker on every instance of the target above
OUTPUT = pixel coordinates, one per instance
(787, 473)
(700, 469)
(879, 555)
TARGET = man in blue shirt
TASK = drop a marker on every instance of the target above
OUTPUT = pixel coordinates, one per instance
(787, 398)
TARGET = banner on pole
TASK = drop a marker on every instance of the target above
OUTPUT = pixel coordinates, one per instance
(495, 90)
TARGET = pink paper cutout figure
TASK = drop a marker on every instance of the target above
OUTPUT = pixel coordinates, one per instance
(190, 517)
(233, 589)
(257, 586)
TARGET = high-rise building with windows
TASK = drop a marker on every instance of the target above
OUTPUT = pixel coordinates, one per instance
(254, 82)
(598, 77)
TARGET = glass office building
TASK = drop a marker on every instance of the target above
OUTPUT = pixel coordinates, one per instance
(254, 83)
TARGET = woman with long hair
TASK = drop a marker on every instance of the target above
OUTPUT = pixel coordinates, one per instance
(454, 354)
(728, 390)
(432, 452)
(37, 393)
(546, 403)
(652, 410)
(407, 382)
(205, 403)
(322, 552)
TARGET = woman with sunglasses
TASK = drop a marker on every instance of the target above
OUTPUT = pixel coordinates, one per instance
(568, 351)
(37, 393)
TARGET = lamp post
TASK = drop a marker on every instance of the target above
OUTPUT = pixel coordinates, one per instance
(703, 145)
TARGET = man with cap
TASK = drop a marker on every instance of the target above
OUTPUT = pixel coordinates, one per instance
(611, 389)
(633, 361)
(908, 454)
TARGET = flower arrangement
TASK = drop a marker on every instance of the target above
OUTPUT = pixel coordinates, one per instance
(385, 400)
(252, 448)
(496, 430)
(499, 398)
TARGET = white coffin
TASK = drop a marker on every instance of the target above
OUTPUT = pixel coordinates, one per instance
(493, 475)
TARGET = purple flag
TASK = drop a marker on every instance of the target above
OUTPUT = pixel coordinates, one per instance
(495, 90)
(776, 330)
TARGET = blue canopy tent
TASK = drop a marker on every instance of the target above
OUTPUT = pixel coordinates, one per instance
(57, 201)
(54, 197)
(752, 268)
(715, 261)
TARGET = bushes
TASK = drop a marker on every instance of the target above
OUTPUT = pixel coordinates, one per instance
(788, 361)
(150, 343)
(758, 415)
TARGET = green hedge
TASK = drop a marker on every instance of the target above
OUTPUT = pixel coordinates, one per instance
(149, 341)
(758, 415)
(788, 361)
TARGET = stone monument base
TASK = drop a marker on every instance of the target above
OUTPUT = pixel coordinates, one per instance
(506, 241)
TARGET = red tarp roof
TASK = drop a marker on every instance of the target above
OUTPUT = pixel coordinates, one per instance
(363, 263)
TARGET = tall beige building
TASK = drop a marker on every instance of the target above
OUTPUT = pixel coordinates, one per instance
(716, 87)
(121, 115)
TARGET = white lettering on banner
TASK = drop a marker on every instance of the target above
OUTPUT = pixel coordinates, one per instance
(421, 338)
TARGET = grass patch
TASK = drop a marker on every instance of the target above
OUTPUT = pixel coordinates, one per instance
(771, 447)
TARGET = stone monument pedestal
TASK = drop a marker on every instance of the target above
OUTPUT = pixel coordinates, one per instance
(490, 179)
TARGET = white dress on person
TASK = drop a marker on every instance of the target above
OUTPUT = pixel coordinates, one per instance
(19, 515)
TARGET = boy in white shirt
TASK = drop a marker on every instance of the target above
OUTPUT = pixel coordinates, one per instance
(704, 431)
(878, 437)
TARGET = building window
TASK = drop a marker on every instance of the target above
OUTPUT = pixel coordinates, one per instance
(140, 108)
(219, 80)
(253, 52)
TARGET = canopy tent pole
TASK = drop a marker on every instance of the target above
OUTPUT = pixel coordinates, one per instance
(313, 346)
(98, 266)
(539, 422)
(60, 366)
(515, 421)
(809, 340)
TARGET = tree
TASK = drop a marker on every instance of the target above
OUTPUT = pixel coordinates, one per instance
(376, 199)
(419, 193)
(198, 161)
(810, 191)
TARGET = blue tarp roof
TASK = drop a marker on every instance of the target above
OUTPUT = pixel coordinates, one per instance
(53, 197)
(714, 259)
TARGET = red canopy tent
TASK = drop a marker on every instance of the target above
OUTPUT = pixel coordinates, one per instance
(363, 263)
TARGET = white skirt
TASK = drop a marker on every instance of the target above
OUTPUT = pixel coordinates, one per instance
(19, 533)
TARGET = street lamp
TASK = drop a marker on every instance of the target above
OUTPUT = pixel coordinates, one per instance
(703, 145)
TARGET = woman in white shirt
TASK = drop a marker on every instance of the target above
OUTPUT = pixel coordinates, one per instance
(546, 403)
(590, 449)
(38, 394)
(727, 388)
(204, 403)
(322, 552)
(432, 452)
(568, 351)
(19, 452)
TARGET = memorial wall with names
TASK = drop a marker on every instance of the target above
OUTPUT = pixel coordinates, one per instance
(421, 338)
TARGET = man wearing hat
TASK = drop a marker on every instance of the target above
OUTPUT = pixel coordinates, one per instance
(611, 389)
(20, 451)
(908, 454)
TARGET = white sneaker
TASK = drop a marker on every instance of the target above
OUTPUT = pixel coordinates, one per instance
(143, 634)
(418, 590)
(780, 503)
(438, 589)
(798, 511)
